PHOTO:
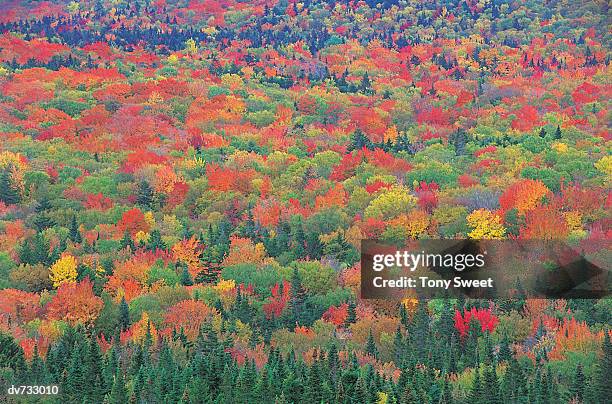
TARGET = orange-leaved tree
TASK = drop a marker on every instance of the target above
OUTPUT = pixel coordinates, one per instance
(75, 303)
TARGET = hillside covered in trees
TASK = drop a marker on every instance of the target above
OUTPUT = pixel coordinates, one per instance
(184, 186)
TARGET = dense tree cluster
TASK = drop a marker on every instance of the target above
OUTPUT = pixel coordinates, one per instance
(184, 186)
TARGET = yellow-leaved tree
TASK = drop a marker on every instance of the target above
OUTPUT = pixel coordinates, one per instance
(64, 270)
(391, 203)
(485, 225)
(191, 47)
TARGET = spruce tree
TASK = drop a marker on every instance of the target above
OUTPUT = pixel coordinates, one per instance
(360, 393)
(145, 194)
(418, 330)
(186, 279)
(314, 248)
(26, 255)
(359, 140)
(37, 373)
(514, 383)
(459, 140)
(398, 346)
(470, 348)
(447, 397)
(245, 383)
(542, 133)
(403, 315)
(366, 85)
(42, 220)
(93, 373)
(476, 394)
(8, 192)
(118, 393)
(333, 363)
(282, 239)
(298, 241)
(11, 354)
(606, 366)
(40, 253)
(75, 381)
(126, 241)
(445, 326)
(599, 389)
(281, 399)
(75, 234)
(124, 315)
(297, 298)
(491, 386)
(155, 242)
(351, 316)
(313, 385)
(577, 387)
(409, 396)
(371, 345)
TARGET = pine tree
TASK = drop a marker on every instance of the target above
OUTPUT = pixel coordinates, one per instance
(542, 133)
(558, 133)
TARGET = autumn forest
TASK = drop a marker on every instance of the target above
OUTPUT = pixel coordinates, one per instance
(184, 187)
